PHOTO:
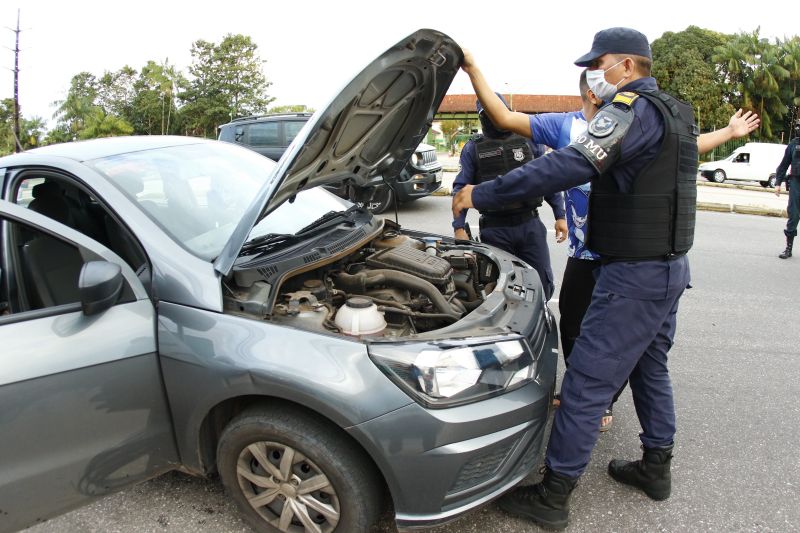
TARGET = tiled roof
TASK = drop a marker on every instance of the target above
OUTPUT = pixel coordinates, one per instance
(525, 103)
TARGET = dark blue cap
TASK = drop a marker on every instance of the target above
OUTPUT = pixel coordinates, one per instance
(616, 41)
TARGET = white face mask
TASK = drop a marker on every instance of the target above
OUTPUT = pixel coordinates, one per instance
(596, 79)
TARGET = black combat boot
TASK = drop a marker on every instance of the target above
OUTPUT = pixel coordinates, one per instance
(787, 253)
(651, 473)
(546, 503)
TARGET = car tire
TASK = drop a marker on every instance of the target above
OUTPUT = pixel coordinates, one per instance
(771, 182)
(719, 176)
(302, 452)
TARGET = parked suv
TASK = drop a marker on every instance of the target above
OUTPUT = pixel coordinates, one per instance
(271, 135)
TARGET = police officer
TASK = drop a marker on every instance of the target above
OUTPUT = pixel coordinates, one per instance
(513, 226)
(790, 161)
(640, 153)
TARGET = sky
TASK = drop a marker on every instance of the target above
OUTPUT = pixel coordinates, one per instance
(312, 49)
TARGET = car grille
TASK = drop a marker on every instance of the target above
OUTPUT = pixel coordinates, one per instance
(428, 157)
(482, 468)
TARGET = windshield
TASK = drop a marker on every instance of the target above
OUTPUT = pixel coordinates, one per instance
(293, 216)
(195, 193)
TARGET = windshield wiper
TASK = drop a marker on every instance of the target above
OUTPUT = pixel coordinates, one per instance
(326, 221)
(269, 240)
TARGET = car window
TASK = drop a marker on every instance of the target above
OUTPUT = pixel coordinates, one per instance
(291, 129)
(262, 134)
(59, 198)
(41, 271)
(197, 193)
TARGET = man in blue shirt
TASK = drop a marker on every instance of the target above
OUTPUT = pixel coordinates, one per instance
(514, 227)
(640, 152)
(790, 162)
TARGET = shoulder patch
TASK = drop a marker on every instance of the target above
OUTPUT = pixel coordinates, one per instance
(602, 125)
(625, 98)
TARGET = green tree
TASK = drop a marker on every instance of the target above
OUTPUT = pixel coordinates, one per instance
(226, 81)
(683, 67)
(115, 92)
(31, 131)
(753, 73)
(98, 123)
(790, 60)
(155, 102)
(290, 109)
(72, 112)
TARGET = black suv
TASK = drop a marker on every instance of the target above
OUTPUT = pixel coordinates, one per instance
(271, 135)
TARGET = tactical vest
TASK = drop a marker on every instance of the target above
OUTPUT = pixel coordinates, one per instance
(657, 218)
(500, 156)
(794, 170)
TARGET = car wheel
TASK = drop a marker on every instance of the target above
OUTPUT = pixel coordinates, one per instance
(719, 176)
(771, 182)
(289, 471)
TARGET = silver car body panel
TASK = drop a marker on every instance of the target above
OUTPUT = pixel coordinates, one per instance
(83, 405)
(209, 358)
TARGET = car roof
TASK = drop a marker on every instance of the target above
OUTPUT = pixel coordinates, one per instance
(97, 148)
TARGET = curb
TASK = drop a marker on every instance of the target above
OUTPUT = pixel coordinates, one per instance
(770, 190)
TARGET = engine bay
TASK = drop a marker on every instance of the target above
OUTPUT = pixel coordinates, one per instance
(393, 286)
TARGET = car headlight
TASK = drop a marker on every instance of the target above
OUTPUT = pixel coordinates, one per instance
(416, 159)
(450, 373)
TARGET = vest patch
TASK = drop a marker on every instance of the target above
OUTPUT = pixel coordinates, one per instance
(493, 153)
(519, 155)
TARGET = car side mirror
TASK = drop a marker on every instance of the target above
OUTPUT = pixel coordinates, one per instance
(100, 284)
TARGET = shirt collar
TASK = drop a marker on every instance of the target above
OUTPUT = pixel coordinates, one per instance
(646, 83)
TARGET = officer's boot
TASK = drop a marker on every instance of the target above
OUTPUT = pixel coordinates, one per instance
(651, 473)
(546, 503)
(787, 253)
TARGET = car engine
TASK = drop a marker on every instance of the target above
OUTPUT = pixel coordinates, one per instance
(394, 286)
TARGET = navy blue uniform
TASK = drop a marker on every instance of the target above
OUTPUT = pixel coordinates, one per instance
(792, 180)
(527, 240)
(630, 324)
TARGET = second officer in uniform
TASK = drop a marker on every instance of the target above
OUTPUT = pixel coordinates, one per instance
(513, 226)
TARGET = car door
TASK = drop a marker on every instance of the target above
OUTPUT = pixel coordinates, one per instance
(84, 410)
(740, 166)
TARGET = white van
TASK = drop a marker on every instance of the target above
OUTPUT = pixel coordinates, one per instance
(751, 162)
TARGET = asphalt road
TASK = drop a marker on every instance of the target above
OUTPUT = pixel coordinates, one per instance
(735, 367)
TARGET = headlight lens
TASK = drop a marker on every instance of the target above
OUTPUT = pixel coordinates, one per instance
(416, 159)
(446, 374)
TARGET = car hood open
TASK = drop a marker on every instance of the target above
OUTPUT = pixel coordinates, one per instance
(369, 130)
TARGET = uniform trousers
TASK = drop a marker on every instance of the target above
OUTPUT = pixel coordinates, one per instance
(626, 334)
(528, 241)
(793, 208)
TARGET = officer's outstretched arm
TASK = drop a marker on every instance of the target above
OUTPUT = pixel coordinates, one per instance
(739, 125)
(500, 115)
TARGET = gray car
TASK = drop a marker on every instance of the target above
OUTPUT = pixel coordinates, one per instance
(177, 303)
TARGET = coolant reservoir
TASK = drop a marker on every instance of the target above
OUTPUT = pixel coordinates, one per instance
(360, 316)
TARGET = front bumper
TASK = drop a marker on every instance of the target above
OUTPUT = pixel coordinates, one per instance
(441, 463)
(421, 183)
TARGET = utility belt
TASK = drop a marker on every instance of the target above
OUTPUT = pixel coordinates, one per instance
(502, 220)
(669, 257)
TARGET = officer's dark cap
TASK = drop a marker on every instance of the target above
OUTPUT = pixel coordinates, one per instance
(616, 41)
